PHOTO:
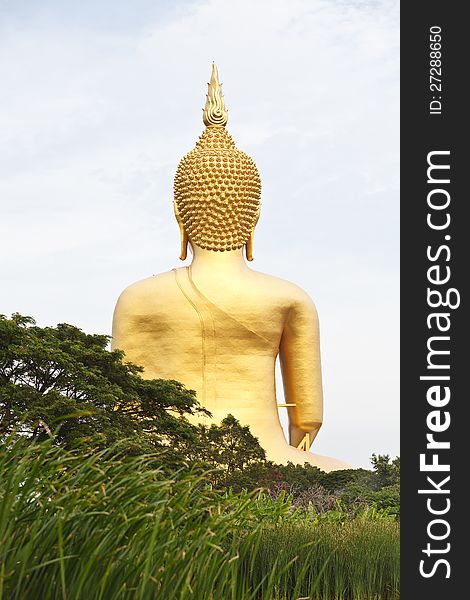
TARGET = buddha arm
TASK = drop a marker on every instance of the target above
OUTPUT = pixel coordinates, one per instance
(299, 354)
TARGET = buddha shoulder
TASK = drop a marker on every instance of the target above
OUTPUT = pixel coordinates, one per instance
(159, 293)
(150, 291)
(285, 292)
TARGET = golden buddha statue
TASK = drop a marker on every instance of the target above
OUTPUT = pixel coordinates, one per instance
(217, 325)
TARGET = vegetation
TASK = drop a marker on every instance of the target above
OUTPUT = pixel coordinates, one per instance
(108, 491)
(60, 382)
(98, 525)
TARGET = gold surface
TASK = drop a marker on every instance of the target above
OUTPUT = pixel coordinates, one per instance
(218, 326)
(217, 187)
(214, 112)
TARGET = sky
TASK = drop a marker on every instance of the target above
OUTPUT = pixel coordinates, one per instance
(99, 102)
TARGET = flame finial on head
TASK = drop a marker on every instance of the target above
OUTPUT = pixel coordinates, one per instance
(214, 112)
(217, 186)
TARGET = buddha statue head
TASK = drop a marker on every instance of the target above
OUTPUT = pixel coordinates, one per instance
(217, 187)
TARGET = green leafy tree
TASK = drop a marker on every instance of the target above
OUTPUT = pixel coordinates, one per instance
(338, 481)
(295, 479)
(379, 488)
(229, 448)
(387, 471)
(388, 498)
(63, 383)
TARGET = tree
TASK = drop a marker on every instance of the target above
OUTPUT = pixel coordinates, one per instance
(338, 481)
(229, 447)
(387, 471)
(296, 479)
(63, 383)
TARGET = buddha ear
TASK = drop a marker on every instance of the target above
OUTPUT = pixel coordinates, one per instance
(183, 234)
(250, 241)
(249, 246)
(184, 243)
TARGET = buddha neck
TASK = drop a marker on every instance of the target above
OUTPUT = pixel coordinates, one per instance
(208, 263)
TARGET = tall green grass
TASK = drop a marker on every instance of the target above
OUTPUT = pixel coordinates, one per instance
(100, 526)
(358, 559)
